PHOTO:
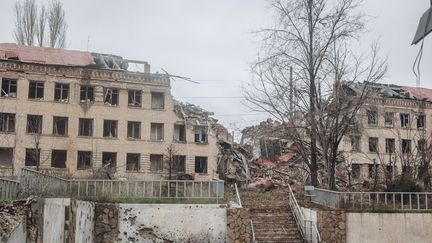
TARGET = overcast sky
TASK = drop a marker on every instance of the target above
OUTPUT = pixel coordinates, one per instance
(210, 41)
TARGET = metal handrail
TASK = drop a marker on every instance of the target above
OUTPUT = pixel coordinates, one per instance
(253, 232)
(238, 195)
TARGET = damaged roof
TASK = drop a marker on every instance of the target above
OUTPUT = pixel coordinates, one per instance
(194, 112)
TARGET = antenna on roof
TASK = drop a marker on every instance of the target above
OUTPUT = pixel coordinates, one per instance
(173, 76)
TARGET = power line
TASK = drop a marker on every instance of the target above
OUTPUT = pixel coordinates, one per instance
(210, 97)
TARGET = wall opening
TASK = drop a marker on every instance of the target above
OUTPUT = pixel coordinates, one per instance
(109, 160)
(86, 94)
(61, 92)
(9, 88)
(156, 162)
(132, 162)
(34, 124)
(6, 157)
(60, 126)
(134, 130)
(156, 131)
(85, 127)
(111, 96)
(110, 128)
(200, 164)
(84, 160)
(157, 100)
(7, 122)
(180, 132)
(134, 98)
(58, 158)
(36, 90)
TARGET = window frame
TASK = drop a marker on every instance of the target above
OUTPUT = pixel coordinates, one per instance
(29, 128)
(37, 92)
(60, 87)
(10, 82)
(7, 120)
(199, 158)
(88, 155)
(159, 168)
(131, 129)
(162, 134)
(372, 140)
(85, 89)
(66, 126)
(130, 156)
(132, 96)
(109, 124)
(81, 122)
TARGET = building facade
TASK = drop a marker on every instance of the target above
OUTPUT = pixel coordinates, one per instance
(80, 113)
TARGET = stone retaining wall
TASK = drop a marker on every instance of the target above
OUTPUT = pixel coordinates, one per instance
(238, 225)
(332, 225)
(106, 222)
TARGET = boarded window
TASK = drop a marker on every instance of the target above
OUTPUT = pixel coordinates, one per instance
(179, 133)
(34, 124)
(61, 92)
(404, 120)
(84, 161)
(200, 134)
(200, 164)
(36, 90)
(156, 162)
(356, 170)
(60, 126)
(134, 130)
(85, 127)
(7, 122)
(6, 157)
(58, 158)
(110, 128)
(132, 162)
(109, 159)
(355, 143)
(86, 94)
(179, 165)
(111, 96)
(390, 145)
(372, 116)
(389, 119)
(373, 145)
(9, 88)
(157, 131)
(134, 98)
(406, 146)
(32, 157)
(421, 121)
(157, 100)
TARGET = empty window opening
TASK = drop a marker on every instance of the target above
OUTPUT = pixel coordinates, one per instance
(373, 145)
(85, 127)
(200, 134)
(32, 157)
(421, 121)
(179, 164)
(132, 162)
(422, 145)
(157, 100)
(406, 146)
(355, 143)
(58, 158)
(111, 96)
(84, 161)
(7, 122)
(36, 90)
(86, 94)
(9, 88)
(179, 133)
(200, 164)
(389, 119)
(156, 163)
(390, 145)
(34, 124)
(373, 170)
(372, 116)
(109, 160)
(134, 98)
(61, 92)
(6, 157)
(60, 126)
(356, 170)
(404, 119)
(157, 131)
(134, 130)
(110, 128)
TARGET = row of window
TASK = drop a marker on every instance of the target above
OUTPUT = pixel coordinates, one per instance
(109, 160)
(87, 94)
(110, 128)
(390, 145)
(389, 119)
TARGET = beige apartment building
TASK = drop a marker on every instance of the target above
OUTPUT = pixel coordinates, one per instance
(394, 128)
(72, 113)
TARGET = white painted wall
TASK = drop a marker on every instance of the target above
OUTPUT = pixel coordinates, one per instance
(389, 227)
(84, 222)
(54, 219)
(18, 235)
(176, 222)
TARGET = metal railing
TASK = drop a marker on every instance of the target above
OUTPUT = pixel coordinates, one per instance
(9, 189)
(253, 232)
(39, 183)
(308, 228)
(396, 201)
(238, 195)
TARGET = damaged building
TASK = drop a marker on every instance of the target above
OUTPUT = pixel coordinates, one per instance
(74, 113)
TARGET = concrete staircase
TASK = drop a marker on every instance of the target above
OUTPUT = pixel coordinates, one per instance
(272, 218)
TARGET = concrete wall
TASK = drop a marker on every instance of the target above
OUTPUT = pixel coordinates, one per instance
(18, 235)
(54, 219)
(389, 227)
(178, 223)
(84, 226)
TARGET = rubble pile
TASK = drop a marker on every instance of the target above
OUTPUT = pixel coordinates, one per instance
(11, 217)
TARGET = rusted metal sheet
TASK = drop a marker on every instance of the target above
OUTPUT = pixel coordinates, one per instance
(418, 93)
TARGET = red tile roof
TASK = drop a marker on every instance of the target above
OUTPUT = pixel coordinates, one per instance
(418, 93)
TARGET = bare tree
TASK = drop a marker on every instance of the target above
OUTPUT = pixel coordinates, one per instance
(56, 24)
(25, 22)
(313, 38)
(41, 24)
(171, 159)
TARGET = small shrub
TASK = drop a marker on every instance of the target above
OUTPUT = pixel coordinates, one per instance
(403, 184)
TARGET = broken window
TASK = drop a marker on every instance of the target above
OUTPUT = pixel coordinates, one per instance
(373, 170)
(373, 145)
(421, 145)
(157, 100)
(86, 94)
(34, 124)
(156, 162)
(200, 134)
(389, 119)
(390, 145)
(355, 143)
(36, 90)
(110, 128)
(421, 121)
(134, 98)
(110, 96)
(61, 92)
(7, 122)
(372, 116)
(60, 126)
(9, 88)
(406, 146)
(179, 163)
(58, 158)
(179, 133)
(132, 162)
(6, 157)
(134, 130)
(404, 119)
(84, 160)
(32, 157)
(156, 131)
(200, 164)
(356, 170)
(389, 169)
(85, 127)
(109, 159)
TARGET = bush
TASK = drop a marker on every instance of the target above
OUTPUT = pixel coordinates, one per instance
(403, 184)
